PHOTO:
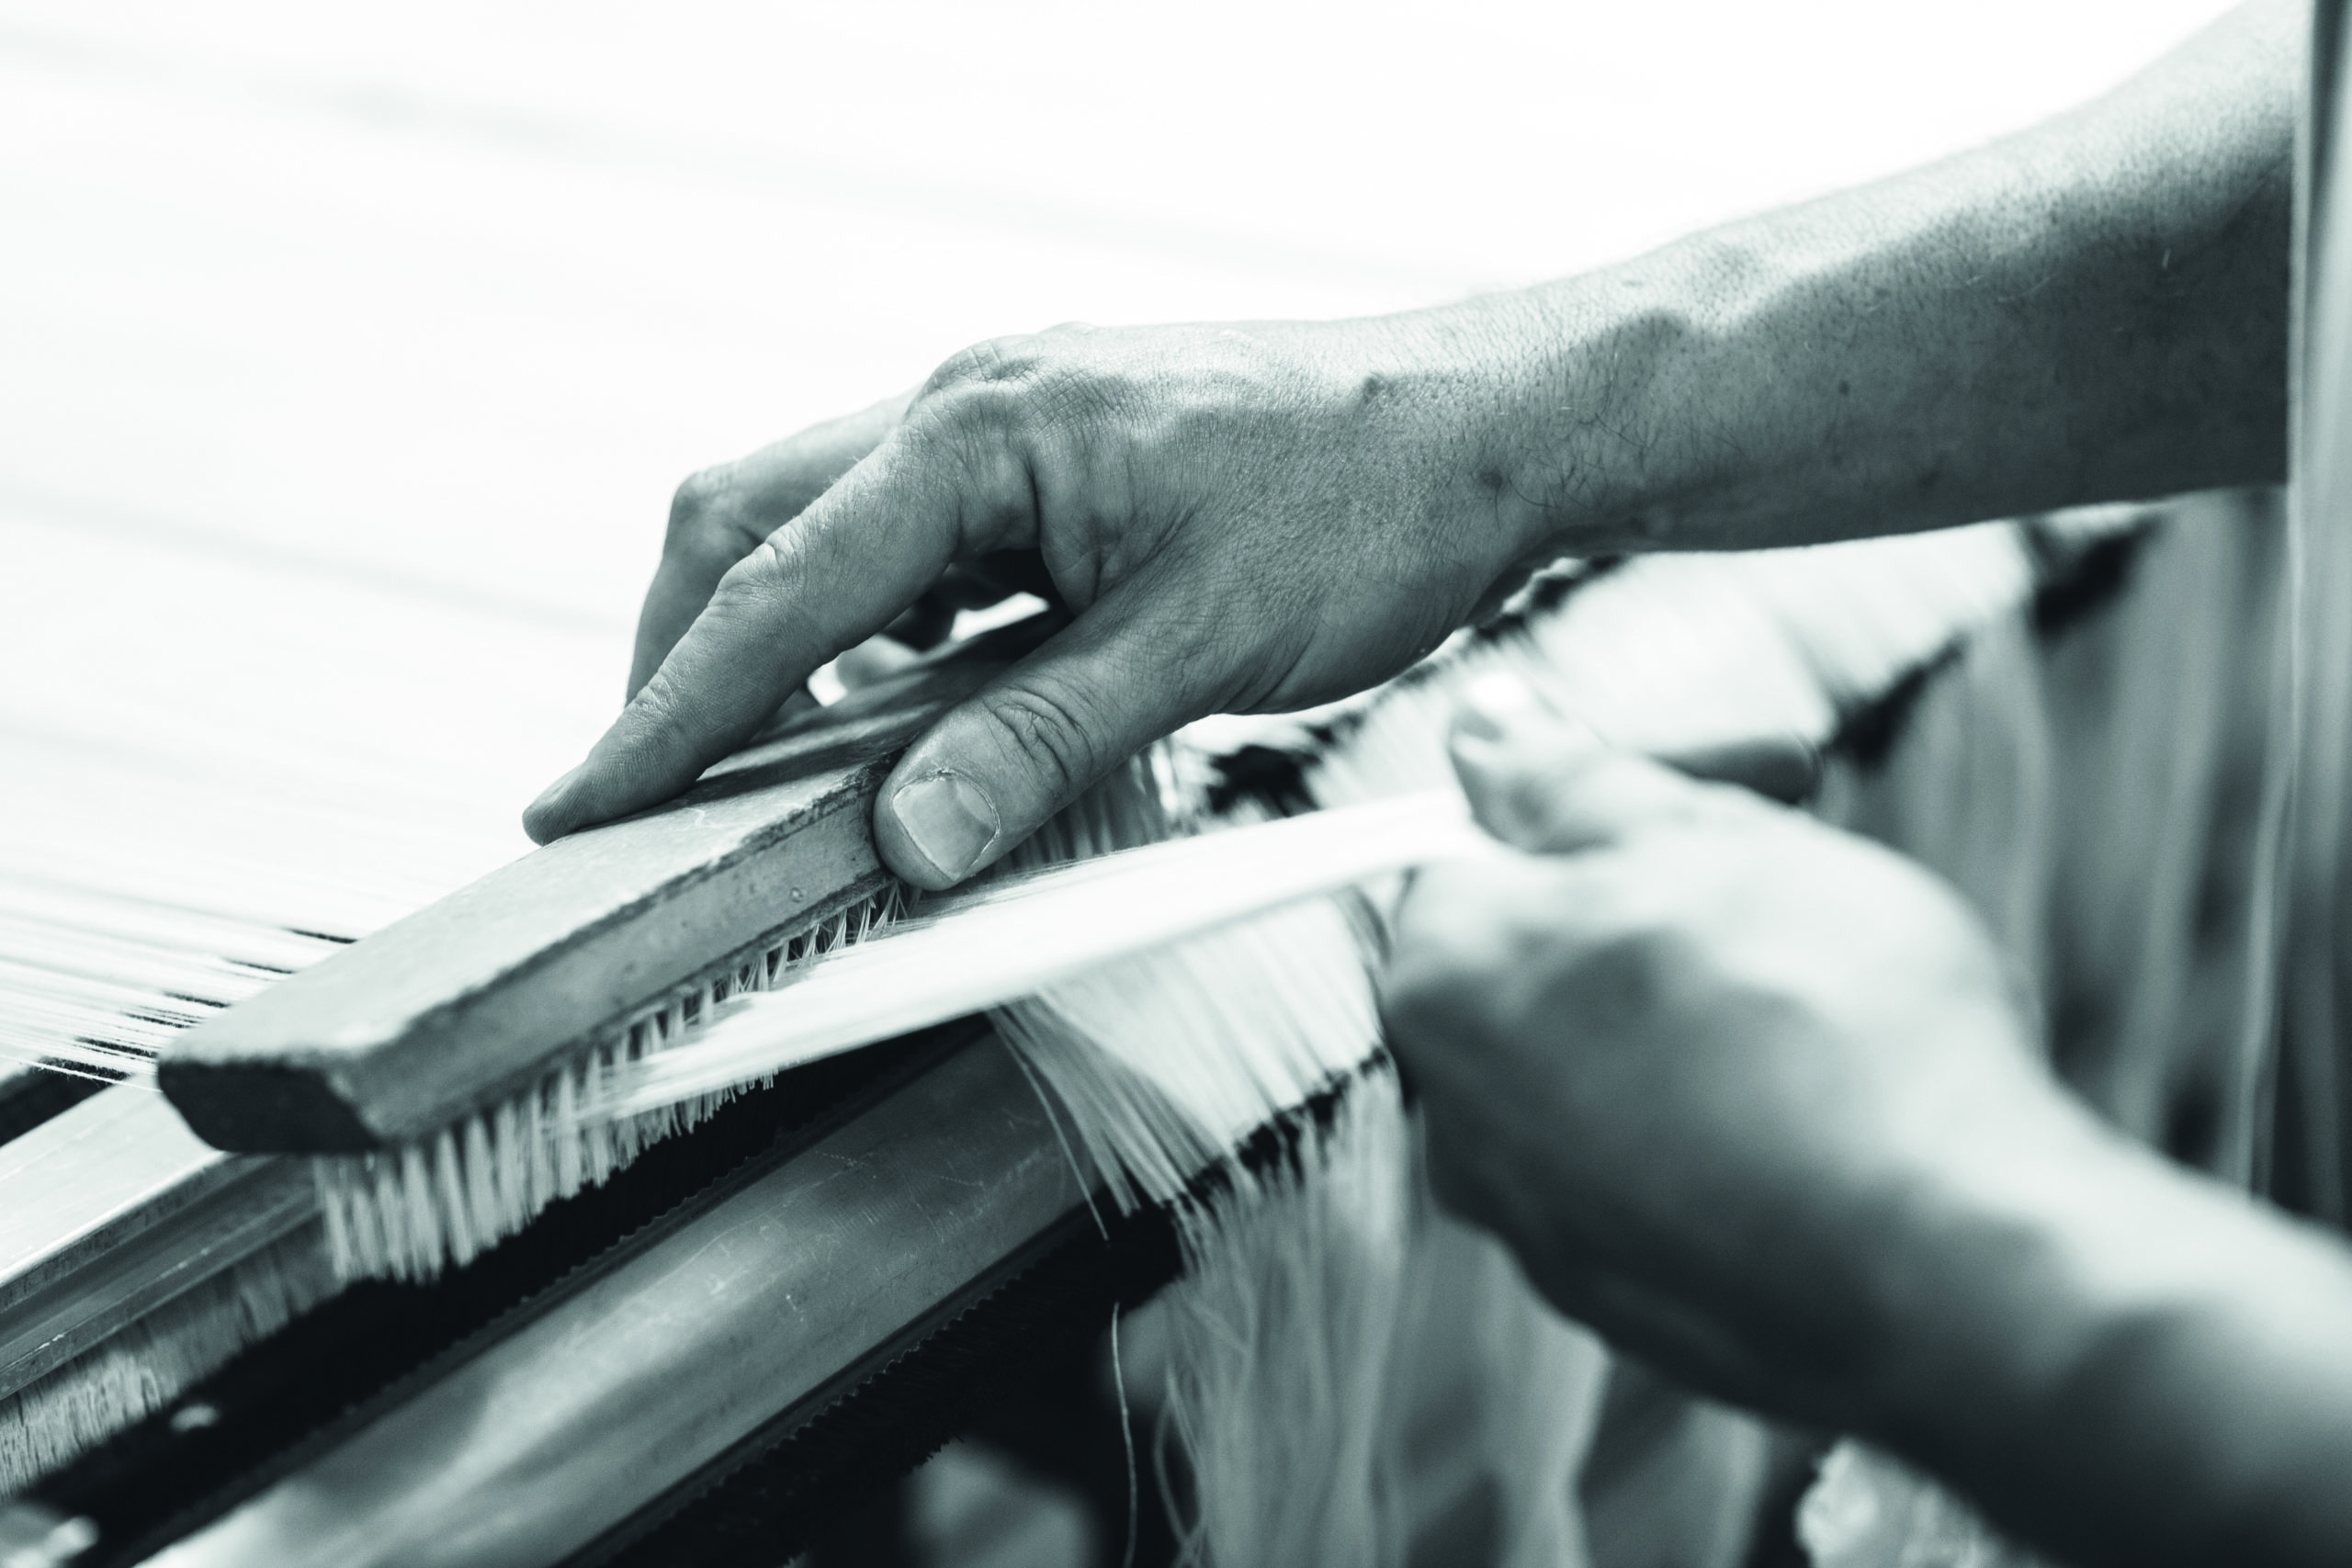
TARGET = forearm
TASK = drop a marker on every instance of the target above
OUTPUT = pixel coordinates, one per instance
(2095, 310)
(2122, 1361)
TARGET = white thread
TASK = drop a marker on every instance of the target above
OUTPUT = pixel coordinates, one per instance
(1126, 1437)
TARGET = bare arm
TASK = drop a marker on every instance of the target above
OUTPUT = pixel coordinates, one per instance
(1265, 516)
(2091, 311)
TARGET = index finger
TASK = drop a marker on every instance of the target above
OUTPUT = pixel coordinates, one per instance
(827, 580)
(722, 514)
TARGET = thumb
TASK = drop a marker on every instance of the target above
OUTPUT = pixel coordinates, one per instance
(991, 771)
(1549, 784)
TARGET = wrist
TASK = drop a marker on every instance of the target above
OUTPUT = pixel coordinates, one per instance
(1469, 387)
(1606, 412)
(1996, 1279)
(2108, 1352)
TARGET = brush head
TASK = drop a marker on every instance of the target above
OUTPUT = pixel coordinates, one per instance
(479, 997)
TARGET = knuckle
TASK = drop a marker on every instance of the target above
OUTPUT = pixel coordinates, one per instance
(1025, 385)
(708, 518)
(980, 472)
(767, 601)
(990, 363)
(972, 423)
(1076, 394)
(1051, 731)
(658, 722)
(769, 572)
(698, 495)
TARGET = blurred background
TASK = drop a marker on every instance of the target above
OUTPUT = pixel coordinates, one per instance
(349, 354)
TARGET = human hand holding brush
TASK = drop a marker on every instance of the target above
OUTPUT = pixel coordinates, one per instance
(1264, 516)
(1245, 518)
(1759, 1101)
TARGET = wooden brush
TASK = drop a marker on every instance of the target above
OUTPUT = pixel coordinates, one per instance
(442, 1054)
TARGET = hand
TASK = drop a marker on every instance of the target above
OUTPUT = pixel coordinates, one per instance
(1700, 1060)
(1756, 1099)
(722, 514)
(1247, 518)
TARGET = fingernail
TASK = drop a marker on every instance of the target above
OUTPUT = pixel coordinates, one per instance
(951, 821)
(547, 811)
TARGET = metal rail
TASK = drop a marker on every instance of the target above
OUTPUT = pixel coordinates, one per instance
(561, 1431)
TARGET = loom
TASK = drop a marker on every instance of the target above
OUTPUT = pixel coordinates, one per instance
(708, 1354)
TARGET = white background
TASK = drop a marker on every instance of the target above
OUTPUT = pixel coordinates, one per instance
(348, 354)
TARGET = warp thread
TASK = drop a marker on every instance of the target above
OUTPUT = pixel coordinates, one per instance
(1327, 1311)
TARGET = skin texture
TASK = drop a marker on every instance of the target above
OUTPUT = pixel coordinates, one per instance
(1243, 518)
(1263, 515)
(1756, 1099)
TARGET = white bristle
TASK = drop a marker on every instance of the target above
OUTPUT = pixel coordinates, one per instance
(449, 1195)
(422, 1240)
(409, 1212)
(570, 1172)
